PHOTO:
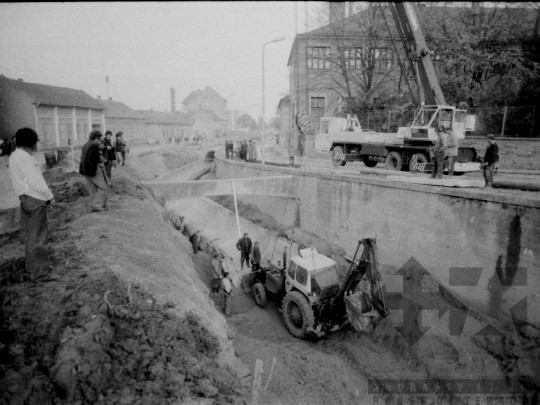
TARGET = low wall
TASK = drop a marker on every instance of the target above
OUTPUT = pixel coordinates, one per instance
(515, 153)
(495, 235)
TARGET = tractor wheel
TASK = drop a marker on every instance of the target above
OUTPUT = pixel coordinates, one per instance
(393, 161)
(297, 314)
(260, 294)
(418, 158)
(338, 156)
(369, 163)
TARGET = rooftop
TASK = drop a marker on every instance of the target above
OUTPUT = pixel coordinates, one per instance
(116, 109)
(54, 95)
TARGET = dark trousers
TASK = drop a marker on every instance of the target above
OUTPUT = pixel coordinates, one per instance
(488, 175)
(255, 266)
(244, 256)
(194, 239)
(438, 164)
(34, 219)
(108, 168)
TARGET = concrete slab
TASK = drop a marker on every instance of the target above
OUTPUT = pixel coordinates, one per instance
(276, 186)
(191, 171)
(444, 182)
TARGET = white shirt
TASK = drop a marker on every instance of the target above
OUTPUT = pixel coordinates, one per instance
(226, 284)
(26, 176)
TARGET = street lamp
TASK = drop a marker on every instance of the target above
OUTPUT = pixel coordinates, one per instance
(227, 104)
(263, 116)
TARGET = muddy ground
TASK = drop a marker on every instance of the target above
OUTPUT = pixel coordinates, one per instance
(98, 335)
(114, 331)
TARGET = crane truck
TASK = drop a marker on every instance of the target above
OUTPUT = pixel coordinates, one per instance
(409, 148)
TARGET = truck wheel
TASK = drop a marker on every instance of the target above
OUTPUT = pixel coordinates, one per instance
(393, 161)
(417, 159)
(337, 156)
(367, 162)
(260, 294)
(297, 314)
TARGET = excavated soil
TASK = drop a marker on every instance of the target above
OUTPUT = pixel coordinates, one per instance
(92, 336)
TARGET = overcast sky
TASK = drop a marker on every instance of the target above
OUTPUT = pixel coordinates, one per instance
(147, 48)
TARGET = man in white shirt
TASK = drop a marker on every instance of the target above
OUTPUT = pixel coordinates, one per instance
(35, 196)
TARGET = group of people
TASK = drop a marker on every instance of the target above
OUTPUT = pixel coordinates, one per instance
(244, 150)
(446, 150)
(98, 156)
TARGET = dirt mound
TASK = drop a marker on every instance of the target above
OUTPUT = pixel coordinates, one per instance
(91, 337)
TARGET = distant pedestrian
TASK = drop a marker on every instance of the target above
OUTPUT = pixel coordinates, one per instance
(291, 154)
(191, 233)
(255, 257)
(438, 151)
(491, 158)
(255, 154)
(226, 284)
(120, 147)
(92, 168)
(217, 274)
(108, 154)
(226, 149)
(244, 245)
(244, 150)
(451, 152)
(6, 149)
(249, 151)
(35, 196)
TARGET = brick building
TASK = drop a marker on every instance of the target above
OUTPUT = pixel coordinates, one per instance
(61, 116)
(119, 117)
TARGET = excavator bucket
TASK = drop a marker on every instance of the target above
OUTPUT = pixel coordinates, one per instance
(360, 309)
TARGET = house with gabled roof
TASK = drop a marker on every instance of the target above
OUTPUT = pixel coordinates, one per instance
(121, 118)
(207, 99)
(207, 123)
(61, 116)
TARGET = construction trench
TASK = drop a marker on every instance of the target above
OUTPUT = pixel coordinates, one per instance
(133, 320)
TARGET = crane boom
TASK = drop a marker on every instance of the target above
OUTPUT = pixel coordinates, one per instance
(408, 26)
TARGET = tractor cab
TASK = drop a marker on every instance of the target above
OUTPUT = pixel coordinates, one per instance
(313, 274)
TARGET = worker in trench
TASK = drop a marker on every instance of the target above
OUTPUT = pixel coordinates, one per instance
(217, 272)
(226, 284)
(244, 245)
(193, 235)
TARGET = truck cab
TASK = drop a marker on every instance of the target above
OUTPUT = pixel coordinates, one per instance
(331, 125)
(432, 116)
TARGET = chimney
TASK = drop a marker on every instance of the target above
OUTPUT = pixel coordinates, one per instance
(99, 97)
(20, 80)
(173, 100)
(110, 98)
(336, 11)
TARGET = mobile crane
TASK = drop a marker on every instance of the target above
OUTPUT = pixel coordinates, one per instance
(409, 148)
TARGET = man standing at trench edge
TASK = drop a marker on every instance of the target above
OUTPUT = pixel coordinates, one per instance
(244, 246)
(35, 197)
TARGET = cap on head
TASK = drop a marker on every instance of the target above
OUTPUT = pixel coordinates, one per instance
(119, 133)
(491, 136)
(440, 128)
(108, 133)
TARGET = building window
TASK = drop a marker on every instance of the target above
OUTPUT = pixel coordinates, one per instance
(317, 106)
(318, 57)
(353, 58)
(347, 104)
(382, 58)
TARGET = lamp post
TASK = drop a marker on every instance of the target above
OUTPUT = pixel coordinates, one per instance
(263, 116)
(227, 104)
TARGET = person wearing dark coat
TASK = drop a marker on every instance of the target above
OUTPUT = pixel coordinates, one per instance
(244, 245)
(120, 147)
(108, 154)
(91, 167)
(244, 150)
(490, 160)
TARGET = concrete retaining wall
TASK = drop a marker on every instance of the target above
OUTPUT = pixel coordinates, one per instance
(441, 228)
